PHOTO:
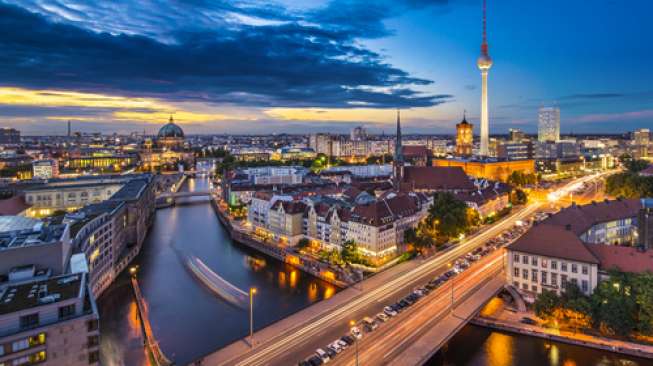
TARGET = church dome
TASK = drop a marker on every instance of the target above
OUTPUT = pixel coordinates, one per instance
(170, 129)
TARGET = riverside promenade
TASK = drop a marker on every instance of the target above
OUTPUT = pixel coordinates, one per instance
(510, 322)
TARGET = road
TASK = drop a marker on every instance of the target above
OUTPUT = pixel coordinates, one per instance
(300, 341)
(385, 345)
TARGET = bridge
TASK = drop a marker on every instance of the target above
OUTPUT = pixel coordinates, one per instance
(441, 314)
(173, 195)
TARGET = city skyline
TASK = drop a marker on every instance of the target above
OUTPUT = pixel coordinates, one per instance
(309, 68)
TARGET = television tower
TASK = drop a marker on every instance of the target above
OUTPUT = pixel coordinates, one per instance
(484, 63)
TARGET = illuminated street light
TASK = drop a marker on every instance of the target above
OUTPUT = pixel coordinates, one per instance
(252, 292)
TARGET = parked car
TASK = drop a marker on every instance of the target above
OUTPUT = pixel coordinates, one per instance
(315, 360)
(304, 363)
(389, 311)
(382, 317)
(356, 332)
(348, 339)
(528, 321)
(343, 345)
(330, 351)
(322, 355)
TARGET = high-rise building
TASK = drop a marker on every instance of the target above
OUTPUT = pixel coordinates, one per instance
(484, 63)
(516, 135)
(358, 134)
(321, 143)
(548, 127)
(9, 136)
(641, 141)
(464, 138)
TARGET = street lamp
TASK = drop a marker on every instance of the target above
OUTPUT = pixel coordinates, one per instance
(252, 292)
(351, 324)
(133, 270)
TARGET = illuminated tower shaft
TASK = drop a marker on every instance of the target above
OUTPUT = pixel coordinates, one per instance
(484, 64)
(485, 123)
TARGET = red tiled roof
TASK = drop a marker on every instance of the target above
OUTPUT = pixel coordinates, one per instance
(627, 259)
(436, 178)
(416, 151)
(13, 206)
(553, 241)
(581, 218)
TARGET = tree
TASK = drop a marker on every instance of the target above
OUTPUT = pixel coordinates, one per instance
(546, 303)
(349, 252)
(635, 166)
(303, 243)
(613, 304)
(643, 285)
(449, 216)
(518, 197)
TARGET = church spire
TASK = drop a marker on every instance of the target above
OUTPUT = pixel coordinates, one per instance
(398, 163)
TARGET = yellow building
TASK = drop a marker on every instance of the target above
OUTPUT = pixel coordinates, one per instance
(489, 169)
(464, 138)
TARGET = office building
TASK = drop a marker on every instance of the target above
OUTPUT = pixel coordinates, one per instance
(548, 126)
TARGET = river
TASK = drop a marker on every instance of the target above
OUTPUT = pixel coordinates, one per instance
(187, 319)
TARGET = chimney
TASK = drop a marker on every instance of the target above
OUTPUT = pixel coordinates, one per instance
(568, 227)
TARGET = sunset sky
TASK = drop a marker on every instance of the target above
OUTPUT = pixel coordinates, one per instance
(258, 67)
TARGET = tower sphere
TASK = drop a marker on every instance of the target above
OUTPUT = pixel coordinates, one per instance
(484, 62)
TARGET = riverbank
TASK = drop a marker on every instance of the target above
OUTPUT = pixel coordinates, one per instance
(313, 268)
(510, 322)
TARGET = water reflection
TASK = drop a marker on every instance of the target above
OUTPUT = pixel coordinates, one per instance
(499, 349)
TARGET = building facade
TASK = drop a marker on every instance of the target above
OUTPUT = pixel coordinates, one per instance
(548, 126)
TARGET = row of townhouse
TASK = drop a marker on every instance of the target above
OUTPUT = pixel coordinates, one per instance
(376, 225)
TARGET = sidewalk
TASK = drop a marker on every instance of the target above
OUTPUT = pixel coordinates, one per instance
(511, 322)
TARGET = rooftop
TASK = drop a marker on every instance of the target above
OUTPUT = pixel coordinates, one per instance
(582, 218)
(553, 241)
(38, 293)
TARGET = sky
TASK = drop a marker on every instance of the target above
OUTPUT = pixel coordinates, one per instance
(258, 67)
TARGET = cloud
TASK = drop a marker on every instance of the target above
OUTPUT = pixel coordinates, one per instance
(241, 53)
(615, 117)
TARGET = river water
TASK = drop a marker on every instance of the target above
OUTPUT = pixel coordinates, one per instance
(476, 346)
(187, 319)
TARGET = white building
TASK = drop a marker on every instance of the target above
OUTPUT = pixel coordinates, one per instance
(45, 169)
(548, 126)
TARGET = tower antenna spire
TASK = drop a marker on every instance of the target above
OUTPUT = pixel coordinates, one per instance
(484, 47)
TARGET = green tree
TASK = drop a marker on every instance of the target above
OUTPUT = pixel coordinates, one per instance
(303, 243)
(635, 166)
(613, 304)
(349, 252)
(643, 285)
(546, 303)
(449, 215)
(518, 197)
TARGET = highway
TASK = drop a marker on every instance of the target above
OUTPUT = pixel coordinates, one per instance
(292, 345)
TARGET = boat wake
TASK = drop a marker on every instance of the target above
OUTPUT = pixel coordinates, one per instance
(218, 285)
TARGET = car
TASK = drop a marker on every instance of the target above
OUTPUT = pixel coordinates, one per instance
(335, 346)
(369, 321)
(389, 311)
(315, 360)
(330, 351)
(382, 317)
(343, 345)
(404, 303)
(356, 332)
(368, 328)
(529, 321)
(348, 339)
(322, 355)
(303, 363)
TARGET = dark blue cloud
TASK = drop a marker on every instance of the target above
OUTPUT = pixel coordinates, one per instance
(228, 52)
